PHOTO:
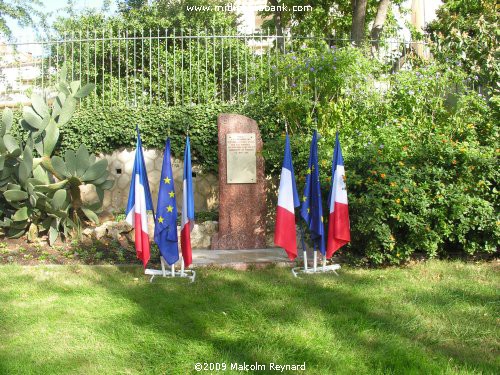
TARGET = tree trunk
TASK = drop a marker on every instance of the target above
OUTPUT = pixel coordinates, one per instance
(378, 24)
(279, 24)
(358, 20)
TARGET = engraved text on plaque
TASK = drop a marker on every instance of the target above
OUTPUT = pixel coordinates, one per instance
(241, 158)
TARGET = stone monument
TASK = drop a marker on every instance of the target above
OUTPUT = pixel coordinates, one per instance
(242, 191)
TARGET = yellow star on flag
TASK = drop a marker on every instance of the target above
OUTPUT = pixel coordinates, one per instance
(308, 210)
(304, 198)
(166, 180)
(171, 194)
(169, 208)
(312, 167)
(308, 170)
(160, 220)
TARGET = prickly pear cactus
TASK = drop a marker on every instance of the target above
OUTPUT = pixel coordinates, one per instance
(41, 192)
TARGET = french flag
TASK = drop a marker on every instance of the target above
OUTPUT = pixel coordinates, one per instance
(339, 232)
(139, 201)
(187, 222)
(288, 199)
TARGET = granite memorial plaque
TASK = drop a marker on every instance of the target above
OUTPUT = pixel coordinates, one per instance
(242, 185)
(241, 158)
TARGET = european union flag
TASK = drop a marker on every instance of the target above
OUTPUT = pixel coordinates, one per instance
(166, 212)
(311, 209)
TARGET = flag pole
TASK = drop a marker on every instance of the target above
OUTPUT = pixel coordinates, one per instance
(182, 266)
(324, 262)
(162, 260)
(304, 252)
(315, 260)
(172, 270)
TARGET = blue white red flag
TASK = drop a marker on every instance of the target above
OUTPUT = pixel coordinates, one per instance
(166, 212)
(284, 231)
(187, 222)
(339, 232)
(311, 209)
(139, 201)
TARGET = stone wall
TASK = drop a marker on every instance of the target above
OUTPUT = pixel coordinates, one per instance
(120, 165)
(123, 232)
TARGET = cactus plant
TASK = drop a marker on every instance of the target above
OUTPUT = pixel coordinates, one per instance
(41, 191)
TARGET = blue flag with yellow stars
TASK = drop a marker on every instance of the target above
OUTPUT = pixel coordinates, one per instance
(311, 209)
(166, 212)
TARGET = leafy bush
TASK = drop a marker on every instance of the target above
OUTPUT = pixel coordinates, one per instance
(465, 36)
(105, 130)
(420, 154)
(411, 190)
(422, 170)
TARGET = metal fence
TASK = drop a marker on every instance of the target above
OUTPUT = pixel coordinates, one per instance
(172, 67)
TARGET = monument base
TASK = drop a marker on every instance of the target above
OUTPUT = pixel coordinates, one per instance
(237, 241)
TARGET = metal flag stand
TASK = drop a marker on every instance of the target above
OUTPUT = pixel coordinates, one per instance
(189, 274)
(306, 270)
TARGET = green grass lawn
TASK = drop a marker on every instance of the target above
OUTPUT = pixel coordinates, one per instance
(436, 317)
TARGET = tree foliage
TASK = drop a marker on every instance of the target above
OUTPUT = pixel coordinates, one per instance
(144, 15)
(156, 47)
(328, 18)
(465, 35)
(22, 11)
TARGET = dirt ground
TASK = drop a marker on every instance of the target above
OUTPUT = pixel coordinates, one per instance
(20, 251)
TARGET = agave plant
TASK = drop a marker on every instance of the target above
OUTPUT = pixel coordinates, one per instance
(42, 192)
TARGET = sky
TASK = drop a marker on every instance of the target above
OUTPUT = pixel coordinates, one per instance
(55, 8)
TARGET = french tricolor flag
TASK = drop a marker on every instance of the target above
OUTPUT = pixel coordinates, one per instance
(187, 222)
(139, 201)
(339, 232)
(288, 199)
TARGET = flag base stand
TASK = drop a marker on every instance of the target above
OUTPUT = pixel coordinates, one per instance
(315, 269)
(296, 271)
(189, 274)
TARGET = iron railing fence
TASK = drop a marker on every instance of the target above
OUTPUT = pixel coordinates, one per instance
(169, 66)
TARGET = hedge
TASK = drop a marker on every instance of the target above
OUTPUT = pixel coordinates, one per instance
(107, 129)
(422, 174)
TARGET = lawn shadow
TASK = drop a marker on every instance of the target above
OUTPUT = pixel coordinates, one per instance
(267, 316)
(298, 299)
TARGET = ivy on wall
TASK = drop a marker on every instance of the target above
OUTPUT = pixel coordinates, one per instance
(107, 129)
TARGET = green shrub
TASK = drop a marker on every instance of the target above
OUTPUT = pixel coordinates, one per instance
(423, 178)
(421, 158)
(105, 130)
